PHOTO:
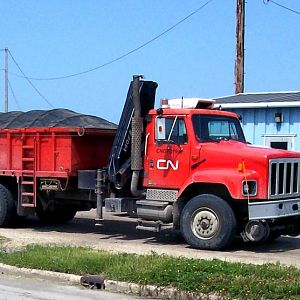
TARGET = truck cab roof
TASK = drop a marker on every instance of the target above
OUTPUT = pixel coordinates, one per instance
(190, 106)
(191, 111)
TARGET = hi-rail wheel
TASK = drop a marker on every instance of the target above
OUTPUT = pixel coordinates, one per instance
(208, 222)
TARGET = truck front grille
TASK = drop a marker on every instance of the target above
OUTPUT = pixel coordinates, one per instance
(284, 178)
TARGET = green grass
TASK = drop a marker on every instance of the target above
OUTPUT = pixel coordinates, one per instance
(236, 280)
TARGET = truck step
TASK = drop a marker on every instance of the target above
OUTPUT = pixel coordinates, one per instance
(27, 205)
(29, 194)
(28, 176)
(28, 172)
(27, 182)
(28, 147)
(28, 158)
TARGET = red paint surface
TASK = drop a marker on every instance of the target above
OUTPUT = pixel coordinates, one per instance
(206, 162)
(60, 152)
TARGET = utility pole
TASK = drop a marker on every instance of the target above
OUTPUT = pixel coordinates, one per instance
(6, 81)
(240, 35)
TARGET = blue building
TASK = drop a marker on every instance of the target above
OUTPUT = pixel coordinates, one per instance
(268, 119)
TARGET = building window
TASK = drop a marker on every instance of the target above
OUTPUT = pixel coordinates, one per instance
(283, 141)
(279, 145)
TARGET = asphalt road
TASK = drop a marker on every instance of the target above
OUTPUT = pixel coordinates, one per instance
(119, 234)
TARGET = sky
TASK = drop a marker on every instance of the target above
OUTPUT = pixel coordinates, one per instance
(53, 38)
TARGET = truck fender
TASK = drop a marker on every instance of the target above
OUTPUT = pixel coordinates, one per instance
(229, 178)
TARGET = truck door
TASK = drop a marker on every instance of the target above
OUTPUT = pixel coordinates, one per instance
(167, 157)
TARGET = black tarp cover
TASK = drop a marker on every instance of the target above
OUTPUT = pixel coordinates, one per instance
(52, 118)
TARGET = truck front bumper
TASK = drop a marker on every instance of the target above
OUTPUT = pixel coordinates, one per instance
(274, 209)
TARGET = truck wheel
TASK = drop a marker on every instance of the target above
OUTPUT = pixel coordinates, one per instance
(58, 216)
(208, 222)
(7, 207)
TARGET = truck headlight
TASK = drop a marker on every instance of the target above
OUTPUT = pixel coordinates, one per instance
(249, 187)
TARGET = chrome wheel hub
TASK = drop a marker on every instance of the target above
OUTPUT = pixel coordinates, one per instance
(204, 223)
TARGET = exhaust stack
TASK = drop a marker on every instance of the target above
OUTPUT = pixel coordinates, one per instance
(136, 140)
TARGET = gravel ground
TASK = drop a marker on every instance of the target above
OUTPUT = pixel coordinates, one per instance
(119, 234)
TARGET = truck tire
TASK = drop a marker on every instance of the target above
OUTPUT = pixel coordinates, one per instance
(7, 207)
(57, 216)
(208, 222)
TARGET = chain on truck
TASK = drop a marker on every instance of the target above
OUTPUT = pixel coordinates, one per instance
(185, 165)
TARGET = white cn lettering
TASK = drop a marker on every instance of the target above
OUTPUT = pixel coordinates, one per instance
(163, 164)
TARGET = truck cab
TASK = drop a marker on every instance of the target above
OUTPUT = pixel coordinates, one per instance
(175, 138)
(199, 175)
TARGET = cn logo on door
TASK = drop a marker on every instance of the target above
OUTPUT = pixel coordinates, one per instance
(165, 164)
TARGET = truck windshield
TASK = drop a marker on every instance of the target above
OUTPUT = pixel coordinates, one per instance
(216, 128)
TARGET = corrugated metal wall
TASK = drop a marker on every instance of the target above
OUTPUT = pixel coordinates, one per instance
(258, 122)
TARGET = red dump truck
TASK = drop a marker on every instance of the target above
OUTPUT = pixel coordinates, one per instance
(185, 165)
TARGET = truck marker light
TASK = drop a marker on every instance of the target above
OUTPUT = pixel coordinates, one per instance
(195, 157)
(240, 167)
(245, 186)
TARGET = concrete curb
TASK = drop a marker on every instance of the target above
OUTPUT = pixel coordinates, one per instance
(50, 274)
(148, 291)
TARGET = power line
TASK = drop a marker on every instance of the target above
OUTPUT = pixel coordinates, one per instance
(29, 81)
(282, 6)
(127, 53)
(14, 96)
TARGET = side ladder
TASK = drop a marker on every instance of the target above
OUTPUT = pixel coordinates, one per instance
(28, 179)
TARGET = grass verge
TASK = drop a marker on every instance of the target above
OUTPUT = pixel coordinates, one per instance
(236, 280)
